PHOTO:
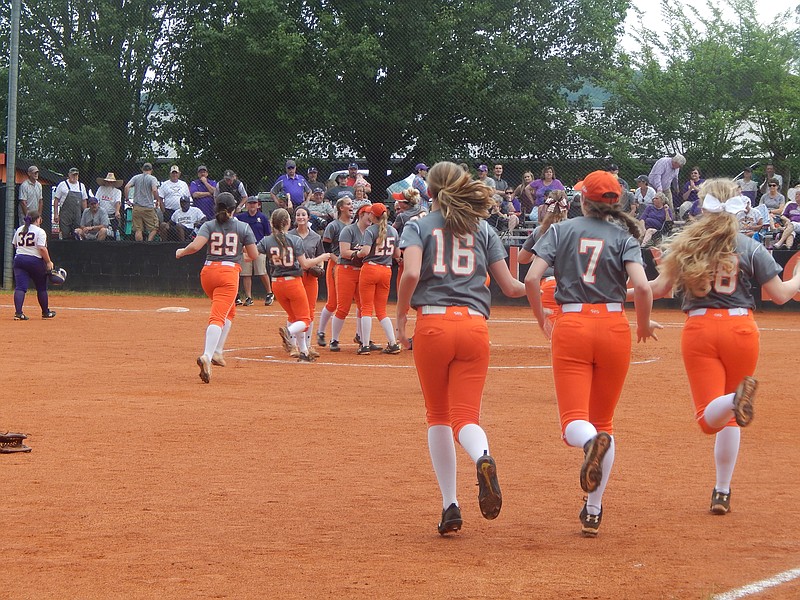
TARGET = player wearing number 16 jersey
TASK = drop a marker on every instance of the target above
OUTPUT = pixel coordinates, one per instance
(592, 258)
(378, 250)
(447, 256)
(228, 239)
(713, 265)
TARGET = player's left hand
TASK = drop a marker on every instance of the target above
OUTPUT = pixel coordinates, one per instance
(402, 337)
(650, 333)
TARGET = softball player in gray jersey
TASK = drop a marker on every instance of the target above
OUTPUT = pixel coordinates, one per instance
(312, 243)
(447, 256)
(228, 239)
(713, 265)
(330, 242)
(591, 343)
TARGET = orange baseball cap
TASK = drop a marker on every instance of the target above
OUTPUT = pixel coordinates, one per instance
(601, 186)
(378, 210)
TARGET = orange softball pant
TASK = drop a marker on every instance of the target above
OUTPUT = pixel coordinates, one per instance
(373, 289)
(346, 289)
(718, 351)
(220, 281)
(591, 356)
(311, 286)
(330, 283)
(292, 297)
(548, 289)
(451, 354)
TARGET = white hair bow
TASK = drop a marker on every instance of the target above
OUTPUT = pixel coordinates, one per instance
(733, 205)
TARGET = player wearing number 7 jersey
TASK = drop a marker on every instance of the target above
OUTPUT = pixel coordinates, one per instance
(228, 239)
(592, 257)
(378, 249)
(713, 265)
(447, 256)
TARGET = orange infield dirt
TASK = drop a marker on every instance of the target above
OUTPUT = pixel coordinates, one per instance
(287, 480)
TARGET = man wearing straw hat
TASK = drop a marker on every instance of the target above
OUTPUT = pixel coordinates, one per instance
(109, 195)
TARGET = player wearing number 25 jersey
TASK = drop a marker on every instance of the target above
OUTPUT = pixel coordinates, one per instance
(228, 239)
(448, 255)
(379, 249)
(713, 265)
(592, 258)
(31, 263)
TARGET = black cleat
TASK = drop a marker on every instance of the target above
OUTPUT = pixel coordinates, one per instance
(743, 401)
(321, 339)
(490, 499)
(304, 358)
(334, 346)
(392, 349)
(20, 317)
(720, 502)
(238, 301)
(373, 347)
(451, 520)
(269, 299)
(363, 350)
(592, 468)
(248, 301)
(590, 523)
(49, 314)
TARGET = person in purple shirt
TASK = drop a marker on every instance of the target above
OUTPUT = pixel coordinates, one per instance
(541, 187)
(690, 202)
(259, 223)
(202, 191)
(654, 217)
(664, 172)
(791, 225)
(293, 185)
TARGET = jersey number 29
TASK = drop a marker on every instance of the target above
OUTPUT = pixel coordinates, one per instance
(223, 244)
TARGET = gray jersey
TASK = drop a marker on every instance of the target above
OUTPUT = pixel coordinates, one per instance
(454, 270)
(226, 240)
(312, 243)
(588, 256)
(351, 234)
(285, 262)
(754, 262)
(380, 255)
(143, 185)
(331, 233)
(411, 214)
(530, 242)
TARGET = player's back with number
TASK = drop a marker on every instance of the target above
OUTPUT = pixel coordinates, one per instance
(284, 260)
(226, 240)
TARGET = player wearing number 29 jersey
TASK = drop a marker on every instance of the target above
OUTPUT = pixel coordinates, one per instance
(228, 239)
(447, 256)
(713, 264)
(592, 258)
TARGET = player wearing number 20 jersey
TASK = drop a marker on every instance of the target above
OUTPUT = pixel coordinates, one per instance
(713, 265)
(447, 257)
(592, 258)
(228, 239)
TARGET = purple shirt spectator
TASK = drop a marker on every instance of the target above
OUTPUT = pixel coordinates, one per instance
(206, 203)
(258, 222)
(654, 218)
(541, 188)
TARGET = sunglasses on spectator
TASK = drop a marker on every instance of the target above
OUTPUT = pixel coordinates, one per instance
(773, 185)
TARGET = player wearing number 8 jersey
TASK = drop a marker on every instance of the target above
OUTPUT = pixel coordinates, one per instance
(228, 239)
(448, 255)
(713, 265)
(592, 257)
(287, 255)
(378, 250)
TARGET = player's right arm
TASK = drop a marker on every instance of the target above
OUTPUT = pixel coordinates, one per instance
(197, 243)
(643, 301)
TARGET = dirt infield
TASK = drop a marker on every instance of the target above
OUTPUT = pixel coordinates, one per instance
(286, 480)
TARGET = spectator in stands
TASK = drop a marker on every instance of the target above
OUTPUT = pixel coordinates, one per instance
(483, 176)
(187, 220)
(512, 203)
(293, 185)
(525, 194)
(145, 198)
(313, 182)
(690, 201)
(360, 197)
(340, 190)
(773, 199)
(354, 177)
(644, 194)
(769, 173)
(664, 176)
(259, 223)
(750, 220)
(320, 211)
(546, 183)
(71, 197)
(94, 222)
(626, 200)
(500, 184)
(171, 191)
(419, 184)
(230, 183)
(202, 191)
(748, 186)
(654, 219)
(110, 196)
(791, 225)
(30, 194)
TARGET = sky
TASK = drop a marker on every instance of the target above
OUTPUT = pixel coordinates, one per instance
(652, 13)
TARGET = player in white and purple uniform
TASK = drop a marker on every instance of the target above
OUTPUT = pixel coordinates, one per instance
(31, 263)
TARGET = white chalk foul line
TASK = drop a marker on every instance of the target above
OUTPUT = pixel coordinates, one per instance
(759, 586)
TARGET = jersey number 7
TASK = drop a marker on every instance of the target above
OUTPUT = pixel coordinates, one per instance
(593, 248)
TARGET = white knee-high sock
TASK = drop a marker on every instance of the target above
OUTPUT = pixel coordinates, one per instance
(719, 411)
(726, 450)
(358, 326)
(388, 329)
(213, 333)
(366, 330)
(577, 433)
(473, 439)
(594, 502)
(336, 327)
(324, 317)
(224, 335)
(309, 333)
(443, 456)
